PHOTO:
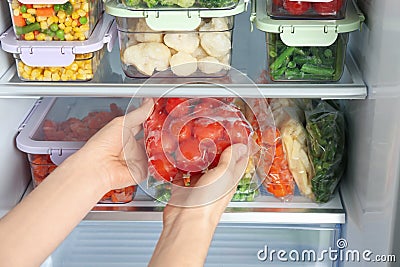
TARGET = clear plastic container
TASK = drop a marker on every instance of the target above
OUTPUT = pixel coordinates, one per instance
(305, 63)
(61, 61)
(307, 9)
(58, 127)
(203, 52)
(55, 20)
(82, 69)
(175, 4)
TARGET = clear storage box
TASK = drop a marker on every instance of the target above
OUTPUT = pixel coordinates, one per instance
(59, 20)
(307, 9)
(61, 61)
(300, 50)
(195, 43)
(58, 127)
(179, 4)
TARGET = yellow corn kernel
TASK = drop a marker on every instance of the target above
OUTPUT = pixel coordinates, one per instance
(44, 25)
(40, 78)
(81, 13)
(41, 18)
(41, 37)
(74, 66)
(27, 69)
(75, 15)
(16, 12)
(88, 72)
(26, 15)
(74, 23)
(85, 7)
(69, 73)
(88, 66)
(52, 19)
(84, 28)
(68, 37)
(31, 11)
(29, 36)
(47, 74)
(31, 19)
(47, 79)
(67, 29)
(61, 14)
(82, 38)
(72, 2)
(61, 26)
(48, 38)
(64, 77)
(15, 5)
(35, 73)
(20, 64)
(81, 76)
(55, 77)
(53, 69)
(89, 76)
(25, 76)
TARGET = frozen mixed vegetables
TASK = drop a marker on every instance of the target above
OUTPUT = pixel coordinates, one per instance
(70, 21)
(82, 69)
(206, 50)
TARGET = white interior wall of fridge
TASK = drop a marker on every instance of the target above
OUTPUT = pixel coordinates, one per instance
(371, 188)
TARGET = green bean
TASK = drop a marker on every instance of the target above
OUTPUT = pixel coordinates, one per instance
(317, 70)
(281, 58)
(27, 29)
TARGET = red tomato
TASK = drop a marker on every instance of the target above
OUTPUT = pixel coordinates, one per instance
(193, 157)
(153, 146)
(172, 104)
(277, 3)
(206, 106)
(296, 7)
(161, 168)
(155, 121)
(213, 131)
(328, 8)
(159, 104)
(180, 132)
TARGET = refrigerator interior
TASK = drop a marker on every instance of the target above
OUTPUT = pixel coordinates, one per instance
(369, 189)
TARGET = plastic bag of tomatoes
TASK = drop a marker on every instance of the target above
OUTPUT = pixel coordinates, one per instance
(185, 137)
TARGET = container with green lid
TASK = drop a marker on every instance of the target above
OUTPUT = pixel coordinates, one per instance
(175, 43)
(306, 50)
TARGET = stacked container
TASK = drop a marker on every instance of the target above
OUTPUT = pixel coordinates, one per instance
(175, 38)
(58, 40)
(58, 127)
(306, 40)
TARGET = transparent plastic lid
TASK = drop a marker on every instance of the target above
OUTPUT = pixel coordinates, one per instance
(174, 19)
(60, 126)
(60, 53)
(306, 32)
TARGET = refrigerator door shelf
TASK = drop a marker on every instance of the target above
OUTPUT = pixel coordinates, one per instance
(110, 80)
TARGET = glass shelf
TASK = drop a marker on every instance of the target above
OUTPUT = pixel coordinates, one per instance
(110, 80)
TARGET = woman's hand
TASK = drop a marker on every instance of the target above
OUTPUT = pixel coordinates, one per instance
(114, 154)
(188, 229)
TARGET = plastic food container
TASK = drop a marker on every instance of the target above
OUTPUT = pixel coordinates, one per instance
(189, 43)
(299, 50)
(58, 127)
(61, 61)
(307, 9)
(58, 20)
(175, 4)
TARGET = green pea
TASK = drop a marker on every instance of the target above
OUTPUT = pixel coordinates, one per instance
(54, 27)
(60, 34)
(23, 9)
(83, 20)
(57, 8)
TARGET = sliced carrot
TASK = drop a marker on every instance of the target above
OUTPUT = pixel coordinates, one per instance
(45, 12)
(19, 21)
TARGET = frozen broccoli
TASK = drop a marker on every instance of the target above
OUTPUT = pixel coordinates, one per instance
(216, 3)
(133, 2)
(181, 3)
(151, 3)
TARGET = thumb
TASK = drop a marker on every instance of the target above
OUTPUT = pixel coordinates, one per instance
(138, 116)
